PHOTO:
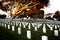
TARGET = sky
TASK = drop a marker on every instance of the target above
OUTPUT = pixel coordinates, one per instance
(54, 5)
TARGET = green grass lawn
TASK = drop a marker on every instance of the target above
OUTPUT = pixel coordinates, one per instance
(6, 34)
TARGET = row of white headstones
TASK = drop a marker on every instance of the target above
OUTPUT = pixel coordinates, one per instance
(36, 26)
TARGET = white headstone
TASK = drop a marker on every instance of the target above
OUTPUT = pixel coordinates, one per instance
(48, 25)
(19, 30)
(58, 26)
(44, 38)
(35, 28)
(5, 25)
(51, 28)
(8, 26)
(23, 24)
(11, 23)
(56, 33)
(14, 23)
(20, 25)
(13, 29)
(28, 34)
(44, 29)
(29, 26)
(33, 24)
(52, 25)
(26, 24)
(39, 25)
(55, 26)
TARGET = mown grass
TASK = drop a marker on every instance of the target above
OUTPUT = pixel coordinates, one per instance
(6, 34)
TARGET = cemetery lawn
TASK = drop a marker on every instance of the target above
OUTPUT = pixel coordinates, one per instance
(6, 34)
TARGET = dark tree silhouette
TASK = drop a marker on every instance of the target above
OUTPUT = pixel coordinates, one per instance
(57, 15)
(2, 16)
(44, 2)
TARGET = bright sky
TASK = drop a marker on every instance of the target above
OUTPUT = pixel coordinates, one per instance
(54, 6)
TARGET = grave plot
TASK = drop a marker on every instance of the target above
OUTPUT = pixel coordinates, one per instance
(44, 37)
(33, 30)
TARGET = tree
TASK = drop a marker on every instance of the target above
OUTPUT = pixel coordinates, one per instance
(30, 4)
